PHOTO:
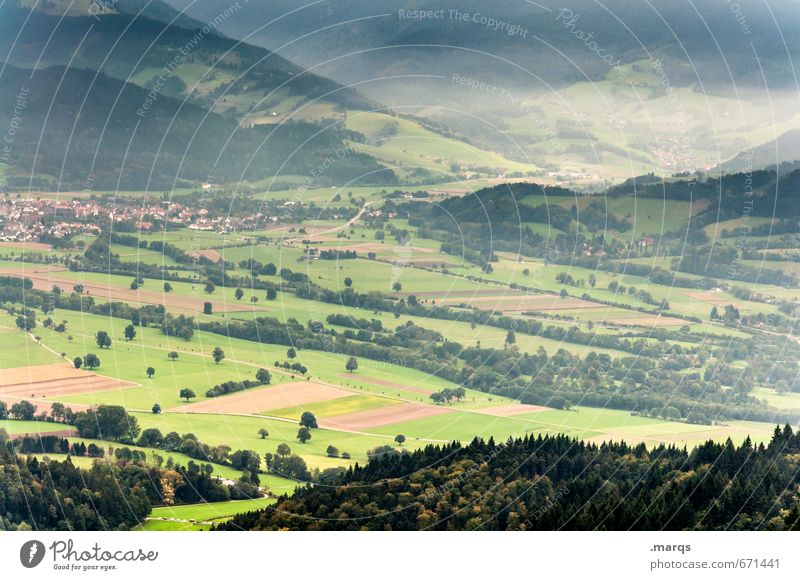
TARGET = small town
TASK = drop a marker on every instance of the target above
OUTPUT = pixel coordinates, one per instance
(25, 220)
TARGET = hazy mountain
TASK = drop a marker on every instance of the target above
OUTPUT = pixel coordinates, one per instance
(610, 89)
(152, 9)
(196, 62)
(705, 41)
(783, 152)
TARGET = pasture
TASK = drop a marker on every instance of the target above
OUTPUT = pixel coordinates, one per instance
(196, 517)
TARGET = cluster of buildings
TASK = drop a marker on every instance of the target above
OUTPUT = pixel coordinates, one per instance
(31, 219)
(24, 220)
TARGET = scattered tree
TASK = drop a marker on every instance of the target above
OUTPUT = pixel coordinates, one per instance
(103, 339)
(91, 361)
(307, 419)
(303, 434)
(217, 354)
(187, 394)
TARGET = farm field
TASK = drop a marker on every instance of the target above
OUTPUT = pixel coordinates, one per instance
(285, 267)
(199, 516)
(778, 400)
(17, 427)
(381, 400)
(417, 146)
(241, 432)
(588, 423)
(633, 362)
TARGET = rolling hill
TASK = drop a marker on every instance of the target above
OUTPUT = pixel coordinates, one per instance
(80, 129)
(610, 89)
(115, 83)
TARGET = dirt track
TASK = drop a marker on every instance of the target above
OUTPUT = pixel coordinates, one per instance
(382, 383)
(644, 320)
(510, 410)
(521, 303)
(27, 246)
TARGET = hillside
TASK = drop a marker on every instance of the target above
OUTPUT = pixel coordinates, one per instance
(397, 41)
(552, 483)
(783, 151)
(96, 138)
(183, 69)
(340, 266)
(203, 66)
(267, 339)
(589, 91)
(152, 9)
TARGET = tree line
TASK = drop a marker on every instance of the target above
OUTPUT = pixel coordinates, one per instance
(554, 483)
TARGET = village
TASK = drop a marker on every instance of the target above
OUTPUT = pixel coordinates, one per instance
(27, 220)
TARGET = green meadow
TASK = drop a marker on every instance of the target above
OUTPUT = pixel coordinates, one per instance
(183, 518)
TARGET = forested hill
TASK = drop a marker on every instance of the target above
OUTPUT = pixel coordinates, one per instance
(778, 195)
(554, 483)
(135, 48)
(107, 133)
